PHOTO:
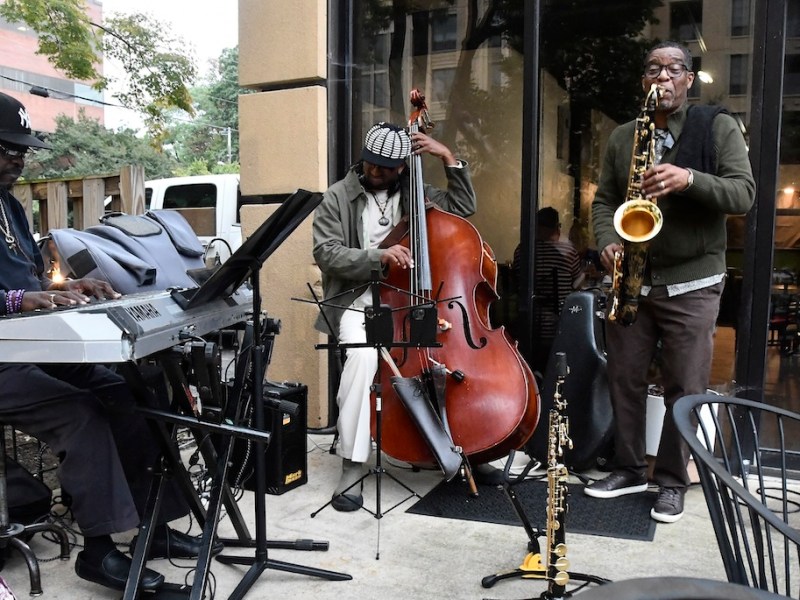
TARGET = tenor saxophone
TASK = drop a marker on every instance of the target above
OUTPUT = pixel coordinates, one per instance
(637, 220)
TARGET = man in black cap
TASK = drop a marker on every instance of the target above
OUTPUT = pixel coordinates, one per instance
(82, 412)
(353, 219)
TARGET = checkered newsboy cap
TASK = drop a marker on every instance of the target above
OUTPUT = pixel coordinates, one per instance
(386, 145)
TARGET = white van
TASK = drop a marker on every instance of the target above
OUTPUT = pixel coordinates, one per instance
(210, 203)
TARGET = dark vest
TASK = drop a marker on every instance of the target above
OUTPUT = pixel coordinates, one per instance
(696, 148)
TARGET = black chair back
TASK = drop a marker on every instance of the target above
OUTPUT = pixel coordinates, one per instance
(752, 499)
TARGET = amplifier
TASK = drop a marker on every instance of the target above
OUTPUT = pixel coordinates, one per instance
(285, 456)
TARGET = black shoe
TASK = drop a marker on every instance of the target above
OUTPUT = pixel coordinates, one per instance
(113, 572)
(181, 545)
(347, 502)
(486, 474)
(619, 483)
(669, 505)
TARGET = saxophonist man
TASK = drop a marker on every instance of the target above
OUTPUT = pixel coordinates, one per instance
(700, 173)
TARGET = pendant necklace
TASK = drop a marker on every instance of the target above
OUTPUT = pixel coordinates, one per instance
(384, 220)
(5, 227)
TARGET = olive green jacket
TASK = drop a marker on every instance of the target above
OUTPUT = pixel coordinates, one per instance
(692, 242)
(338, 234)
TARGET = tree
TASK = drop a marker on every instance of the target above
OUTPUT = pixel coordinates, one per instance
(84, 147)
(157, 69)
(201, 145)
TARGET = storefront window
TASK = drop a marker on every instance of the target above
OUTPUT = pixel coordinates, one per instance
(468, 59)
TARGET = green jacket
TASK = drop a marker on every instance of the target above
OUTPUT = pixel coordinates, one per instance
(338, 234)
(692, 242)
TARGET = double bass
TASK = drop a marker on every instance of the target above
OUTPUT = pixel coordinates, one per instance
(471, 375)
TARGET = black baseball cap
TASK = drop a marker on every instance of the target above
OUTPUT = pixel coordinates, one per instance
(15, 124)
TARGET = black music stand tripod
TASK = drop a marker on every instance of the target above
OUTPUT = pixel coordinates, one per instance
(260, 562)
(380, 335)
(243, 266)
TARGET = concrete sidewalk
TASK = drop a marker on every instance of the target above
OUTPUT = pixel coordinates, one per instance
(401, 555)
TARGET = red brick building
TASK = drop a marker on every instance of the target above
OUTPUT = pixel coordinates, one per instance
(21, 69)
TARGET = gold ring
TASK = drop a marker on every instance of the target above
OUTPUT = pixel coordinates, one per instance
(661, 185)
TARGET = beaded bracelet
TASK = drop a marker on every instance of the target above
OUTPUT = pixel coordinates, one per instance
(14, 301)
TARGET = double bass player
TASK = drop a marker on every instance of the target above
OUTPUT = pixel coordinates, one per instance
(355, 216)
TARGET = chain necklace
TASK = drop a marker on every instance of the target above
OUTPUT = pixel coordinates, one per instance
(5, 227)
(384, 220)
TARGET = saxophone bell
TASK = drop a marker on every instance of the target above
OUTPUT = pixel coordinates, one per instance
(638, 220)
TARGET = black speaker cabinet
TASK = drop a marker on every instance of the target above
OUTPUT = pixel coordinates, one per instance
(286, 466)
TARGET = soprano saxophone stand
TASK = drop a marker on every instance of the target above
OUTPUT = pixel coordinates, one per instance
(553, 566)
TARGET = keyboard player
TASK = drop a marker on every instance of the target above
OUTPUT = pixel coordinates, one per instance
(83, 412)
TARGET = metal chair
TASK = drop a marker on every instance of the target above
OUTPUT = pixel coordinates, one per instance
(13, 535)
(674, 588)
(753, 503)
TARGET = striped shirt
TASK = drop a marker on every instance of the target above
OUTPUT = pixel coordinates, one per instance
(556, 268)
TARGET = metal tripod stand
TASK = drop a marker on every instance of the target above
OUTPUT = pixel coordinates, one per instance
(379, 333)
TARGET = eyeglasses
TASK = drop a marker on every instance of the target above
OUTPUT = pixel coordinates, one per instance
(674, 70)
(9, 153)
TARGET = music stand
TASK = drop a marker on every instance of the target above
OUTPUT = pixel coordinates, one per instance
(245, 264)
(379, 332)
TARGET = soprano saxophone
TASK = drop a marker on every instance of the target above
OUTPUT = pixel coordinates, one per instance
(557, 490)
(637, 221)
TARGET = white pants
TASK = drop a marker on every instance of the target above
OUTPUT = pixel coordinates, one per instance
(353, 397)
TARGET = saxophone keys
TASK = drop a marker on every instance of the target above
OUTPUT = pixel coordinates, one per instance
(562, 563)
(561, 578)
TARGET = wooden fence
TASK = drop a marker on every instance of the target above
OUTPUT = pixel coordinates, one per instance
(85, 197)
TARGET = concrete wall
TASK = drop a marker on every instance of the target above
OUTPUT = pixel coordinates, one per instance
(283, 147)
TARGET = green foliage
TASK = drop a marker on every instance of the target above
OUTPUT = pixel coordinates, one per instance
(157, 72)
(157, 68)
(205, 139)
(84, 147)
(65, 33)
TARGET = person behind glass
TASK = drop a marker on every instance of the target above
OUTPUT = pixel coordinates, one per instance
(83, 412)
(701, 174)
(354, 217)
(556, 274)
(589, 257)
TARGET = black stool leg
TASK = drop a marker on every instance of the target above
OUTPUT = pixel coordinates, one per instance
(31, 561)
(10, 532)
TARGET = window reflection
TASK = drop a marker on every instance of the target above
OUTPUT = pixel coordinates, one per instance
(740, 17)
(737, 84)
(467, 57)
(686, 20)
